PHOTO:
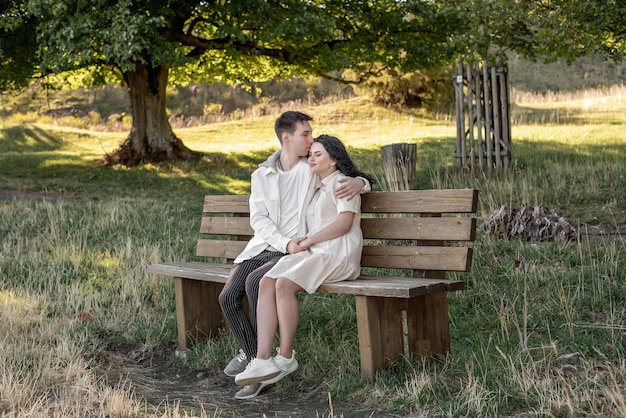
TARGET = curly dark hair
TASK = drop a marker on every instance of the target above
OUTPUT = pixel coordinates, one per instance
(287, 122)
(338, 153)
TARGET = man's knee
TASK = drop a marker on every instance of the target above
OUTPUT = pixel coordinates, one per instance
(252, 283)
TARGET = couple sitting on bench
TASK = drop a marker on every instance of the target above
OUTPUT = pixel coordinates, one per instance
(306, 222)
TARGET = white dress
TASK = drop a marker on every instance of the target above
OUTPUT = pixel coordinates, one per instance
(329, 261)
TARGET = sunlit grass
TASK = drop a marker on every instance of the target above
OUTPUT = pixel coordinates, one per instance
(75, 298)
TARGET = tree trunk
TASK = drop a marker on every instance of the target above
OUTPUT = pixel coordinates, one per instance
(151, 139)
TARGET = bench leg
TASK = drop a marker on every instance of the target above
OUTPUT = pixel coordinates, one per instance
(428, 324)
(383, 332)
(198, 312)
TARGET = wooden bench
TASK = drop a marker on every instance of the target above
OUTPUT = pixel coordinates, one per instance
(420, 234)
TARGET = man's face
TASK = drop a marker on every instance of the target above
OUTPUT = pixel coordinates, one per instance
(300, 142)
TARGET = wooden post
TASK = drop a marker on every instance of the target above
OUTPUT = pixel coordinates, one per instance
(487, 122)
(460, 118)
(496, 120)
(399, 165)
(470, 116)
(479, 118)
(506, 118)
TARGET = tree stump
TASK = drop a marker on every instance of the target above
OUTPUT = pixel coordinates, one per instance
(399, 165)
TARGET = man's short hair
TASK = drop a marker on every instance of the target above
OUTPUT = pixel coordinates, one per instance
(287, 122)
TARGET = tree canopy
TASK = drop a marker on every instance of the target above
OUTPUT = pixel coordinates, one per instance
(150, 43)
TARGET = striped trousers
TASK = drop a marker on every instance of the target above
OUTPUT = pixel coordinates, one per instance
(244, 280)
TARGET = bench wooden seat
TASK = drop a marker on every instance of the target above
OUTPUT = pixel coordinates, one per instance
(411, 239)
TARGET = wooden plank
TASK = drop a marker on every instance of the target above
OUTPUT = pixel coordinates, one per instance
(226, 204)
(421, 201)
(418, 258)
(408, 201)
(193, 270)
(227, 226)
(368, 285)
(487, 99)
(470, 116)
(393, 287)
(497, 140)
(460, 116)
(444, 229)
(479, 131)
(219, 248)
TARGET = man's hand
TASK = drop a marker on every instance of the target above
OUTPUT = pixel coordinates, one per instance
(295, 247)
(349, 188)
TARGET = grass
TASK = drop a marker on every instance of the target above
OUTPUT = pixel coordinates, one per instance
(539, 330)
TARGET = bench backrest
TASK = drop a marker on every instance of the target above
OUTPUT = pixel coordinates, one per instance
(424, 231)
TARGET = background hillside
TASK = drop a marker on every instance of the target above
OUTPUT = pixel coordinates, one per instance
(198, 104)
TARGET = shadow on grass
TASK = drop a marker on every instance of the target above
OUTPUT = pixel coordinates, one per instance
(28, 139)
(36, 163)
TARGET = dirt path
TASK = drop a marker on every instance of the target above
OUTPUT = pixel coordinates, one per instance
(213, 392)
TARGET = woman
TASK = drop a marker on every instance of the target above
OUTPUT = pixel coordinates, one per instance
(333, 243)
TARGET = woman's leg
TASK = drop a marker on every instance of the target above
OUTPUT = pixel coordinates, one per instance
(288, 312)
(267, 319)
(252, 288)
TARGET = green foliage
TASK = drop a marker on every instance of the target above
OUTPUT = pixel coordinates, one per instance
(17, 45)
(538, 31)
(236, 40)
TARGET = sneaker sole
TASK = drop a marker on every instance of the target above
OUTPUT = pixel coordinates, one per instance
(255, 379)
(279, 376)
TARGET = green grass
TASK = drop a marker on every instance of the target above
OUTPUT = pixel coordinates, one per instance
(73, 286)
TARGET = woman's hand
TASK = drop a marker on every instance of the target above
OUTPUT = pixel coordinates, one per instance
(295, 245)
(304, 242)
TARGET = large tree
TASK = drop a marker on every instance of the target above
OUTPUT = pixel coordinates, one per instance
(149, 42)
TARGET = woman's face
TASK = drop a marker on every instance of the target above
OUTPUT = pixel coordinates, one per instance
(320, 161)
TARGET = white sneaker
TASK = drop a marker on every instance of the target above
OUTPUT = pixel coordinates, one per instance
(259, 370)
(286, 366)
(250, 391)
(237, 364)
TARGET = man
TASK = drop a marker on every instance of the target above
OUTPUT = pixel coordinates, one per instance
(281, 188)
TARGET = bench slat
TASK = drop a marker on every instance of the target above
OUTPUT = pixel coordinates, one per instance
(421, 201)
(412, 201)
(195, 270)
(226, 204)
(393, 257)
(418, 258)
(388, 286)
(226, 225)
(440, 229)
(219, 248)
(366, 285)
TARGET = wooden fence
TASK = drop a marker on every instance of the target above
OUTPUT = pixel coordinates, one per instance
(483, 119)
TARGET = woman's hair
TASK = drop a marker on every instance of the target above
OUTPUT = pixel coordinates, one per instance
(338, 153)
